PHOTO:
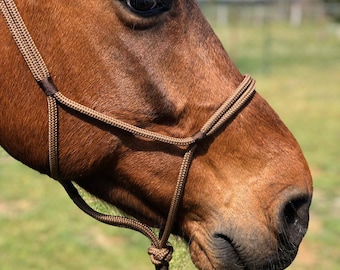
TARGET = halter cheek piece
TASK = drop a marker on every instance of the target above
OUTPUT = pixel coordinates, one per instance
(160, 250)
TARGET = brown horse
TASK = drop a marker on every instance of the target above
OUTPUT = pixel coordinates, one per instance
(158, 65)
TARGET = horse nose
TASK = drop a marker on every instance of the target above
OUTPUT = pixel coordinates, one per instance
(294, 218)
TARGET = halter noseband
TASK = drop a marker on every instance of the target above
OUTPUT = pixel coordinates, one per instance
(160, 250)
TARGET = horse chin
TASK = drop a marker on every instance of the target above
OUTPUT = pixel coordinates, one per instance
(222, 252)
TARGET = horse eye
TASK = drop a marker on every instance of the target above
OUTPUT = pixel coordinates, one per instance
(148, 8)
(142, 5)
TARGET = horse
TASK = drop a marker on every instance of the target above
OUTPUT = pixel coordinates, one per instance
(158, 65)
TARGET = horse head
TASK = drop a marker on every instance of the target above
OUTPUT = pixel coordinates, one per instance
(158, 65)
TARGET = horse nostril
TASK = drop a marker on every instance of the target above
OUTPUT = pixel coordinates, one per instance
(295, 217)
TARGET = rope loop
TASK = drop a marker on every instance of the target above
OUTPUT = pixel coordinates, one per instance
(161, 256)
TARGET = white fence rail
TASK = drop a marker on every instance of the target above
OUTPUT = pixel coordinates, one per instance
(294, 11)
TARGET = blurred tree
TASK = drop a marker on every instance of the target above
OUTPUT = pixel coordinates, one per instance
(332, 8)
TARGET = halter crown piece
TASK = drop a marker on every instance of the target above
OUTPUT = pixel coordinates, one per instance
(161, 250)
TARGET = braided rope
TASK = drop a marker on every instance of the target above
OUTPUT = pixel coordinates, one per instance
(137, 131)
(53, 136)
(178, 194)
(23, 39)
(118, 221)
(160, 256)
(225, 112)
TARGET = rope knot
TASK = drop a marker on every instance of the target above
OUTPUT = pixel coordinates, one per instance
(160, 256)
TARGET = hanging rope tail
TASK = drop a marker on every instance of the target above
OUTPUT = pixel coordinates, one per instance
(161, 250)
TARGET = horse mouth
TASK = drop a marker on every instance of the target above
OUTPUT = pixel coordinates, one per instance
(218, 251)
(241, 259)
(223, 252)
(228, 250)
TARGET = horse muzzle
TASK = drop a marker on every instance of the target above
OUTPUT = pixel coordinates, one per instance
(252, 244)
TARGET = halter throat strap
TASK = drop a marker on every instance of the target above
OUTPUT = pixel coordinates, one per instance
(160, 251)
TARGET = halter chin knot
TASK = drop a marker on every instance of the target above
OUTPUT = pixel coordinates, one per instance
(160, 256)
(199, 136)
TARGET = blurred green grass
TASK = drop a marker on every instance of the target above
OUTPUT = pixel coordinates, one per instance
(297, 71)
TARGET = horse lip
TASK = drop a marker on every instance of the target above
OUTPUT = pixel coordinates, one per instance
(230, 252)
(227, 251)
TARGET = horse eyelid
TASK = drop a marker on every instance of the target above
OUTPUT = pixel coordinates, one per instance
(152, 4)
(159, 7)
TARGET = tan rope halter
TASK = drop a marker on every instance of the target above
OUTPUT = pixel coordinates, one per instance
(160, 250)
